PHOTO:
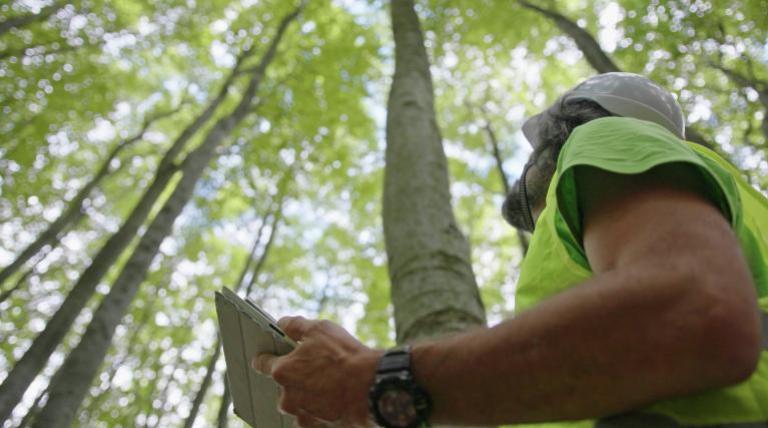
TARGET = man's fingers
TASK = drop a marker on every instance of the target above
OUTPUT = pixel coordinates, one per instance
(263, 363)
(295, 327)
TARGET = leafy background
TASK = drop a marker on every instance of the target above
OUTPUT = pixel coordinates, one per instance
(305, 168)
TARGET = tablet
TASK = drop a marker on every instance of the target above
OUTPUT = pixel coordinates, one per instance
(247, 330)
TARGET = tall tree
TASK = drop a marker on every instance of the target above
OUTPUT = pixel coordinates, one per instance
(70, 384)
(433, 285)
(73, 212)
(275, 211)
(32, 362)
(595, 55)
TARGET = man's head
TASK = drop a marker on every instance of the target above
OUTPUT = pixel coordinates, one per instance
(609, 94)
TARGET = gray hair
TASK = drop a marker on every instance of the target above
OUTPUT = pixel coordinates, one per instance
(554, 131)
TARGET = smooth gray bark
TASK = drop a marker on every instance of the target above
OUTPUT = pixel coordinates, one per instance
(73, 213)
(596, 56)
(433, 286)
(34, 359)
(70, 384)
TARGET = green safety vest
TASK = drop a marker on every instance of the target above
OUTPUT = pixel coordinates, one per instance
(556, 259)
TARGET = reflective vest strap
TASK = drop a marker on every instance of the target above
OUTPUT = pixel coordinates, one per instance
(647, 420)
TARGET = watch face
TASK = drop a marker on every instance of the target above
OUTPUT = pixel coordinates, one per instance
(396, 406)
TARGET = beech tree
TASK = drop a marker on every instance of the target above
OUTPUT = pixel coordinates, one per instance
(433, 286)
(387, 195)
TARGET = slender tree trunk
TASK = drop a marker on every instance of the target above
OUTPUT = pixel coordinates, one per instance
(133, 340)
(276, 217)
(596, 56)
(239, 284)
(503, 178)
(73, 213)
(71, 382)
(226, 401)
(19, 282)
(251, 255)
(34, 359)
(203, 386)
(433, 286)
(163, 395)
(144, 402)
(743, 81)
(24, 20)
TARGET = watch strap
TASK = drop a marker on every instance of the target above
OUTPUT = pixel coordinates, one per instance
(395, 360)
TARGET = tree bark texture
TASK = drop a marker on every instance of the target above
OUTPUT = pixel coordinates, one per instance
(35, 358)
(73, 213)
(70, 384)
(433, 286)
(596, 56)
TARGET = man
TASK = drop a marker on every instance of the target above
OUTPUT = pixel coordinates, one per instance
(643, 296)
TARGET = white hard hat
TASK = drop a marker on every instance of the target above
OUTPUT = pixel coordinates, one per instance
(622, 94)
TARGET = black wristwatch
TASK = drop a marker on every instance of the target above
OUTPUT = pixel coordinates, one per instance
(395, 399)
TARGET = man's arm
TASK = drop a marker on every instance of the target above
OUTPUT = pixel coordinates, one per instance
(671, 310)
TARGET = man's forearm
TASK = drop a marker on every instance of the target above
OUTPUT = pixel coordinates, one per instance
(572, 358)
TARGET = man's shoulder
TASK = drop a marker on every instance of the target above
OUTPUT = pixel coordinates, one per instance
(623, 145)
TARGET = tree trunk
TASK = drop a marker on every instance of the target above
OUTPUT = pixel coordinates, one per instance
(5, 295)
(596, 56)
(226, 401)
(163, 395)
(73, 213)
(34, 359)
(276, 217)
(24, 20)
(495, 149)
(247, 267)
(71, 382)
(203, 386)
(433, 286)
(133, 340)
(751, 82)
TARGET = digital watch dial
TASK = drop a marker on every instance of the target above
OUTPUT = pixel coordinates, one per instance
(396, 400)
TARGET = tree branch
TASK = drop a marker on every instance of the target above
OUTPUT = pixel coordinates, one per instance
(25, 20)
(588, 45)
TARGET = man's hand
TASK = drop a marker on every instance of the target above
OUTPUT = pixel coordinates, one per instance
(325, 380)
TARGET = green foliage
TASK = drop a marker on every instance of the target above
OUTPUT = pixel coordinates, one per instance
(74, 85)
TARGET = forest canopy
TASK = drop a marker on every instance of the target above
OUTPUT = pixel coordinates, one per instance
(152, 152)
